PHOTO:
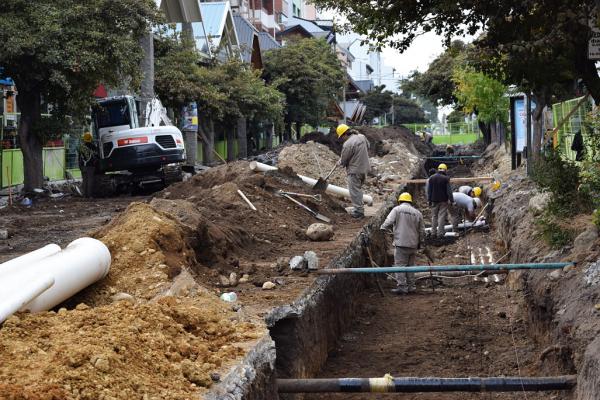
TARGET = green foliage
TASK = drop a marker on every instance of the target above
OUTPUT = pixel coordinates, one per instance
(596, 217)
(553, 233)
(225, 91)
(309, 74)
(64, 48)
(378, 102)
(481, 94)
(407, 110)
(561, 178)
(456, 116)
(436, 84)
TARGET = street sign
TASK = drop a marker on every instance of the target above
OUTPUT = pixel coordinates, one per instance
(594, 44)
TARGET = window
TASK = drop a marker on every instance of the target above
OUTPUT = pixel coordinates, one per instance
(112, 114)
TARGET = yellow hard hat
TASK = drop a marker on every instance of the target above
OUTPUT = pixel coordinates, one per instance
(477, 191)
(442, 167)
(405, 197)
(341, 129)
(496, 185)
(87, 137)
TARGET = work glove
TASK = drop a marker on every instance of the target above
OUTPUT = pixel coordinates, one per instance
(431, 204)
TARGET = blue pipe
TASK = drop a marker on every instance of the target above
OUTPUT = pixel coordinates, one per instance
(445, 268)
(452, 157)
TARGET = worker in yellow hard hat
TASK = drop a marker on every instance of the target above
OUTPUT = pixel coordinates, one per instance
(470, 191)
(409, 233)
(88, 160)
(355, 158)
(439, 197)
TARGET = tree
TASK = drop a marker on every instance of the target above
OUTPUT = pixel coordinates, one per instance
(378, 102)
(309, 74)
(60, 50)
(407, 111)
(549, 25)
(436, 84)
(485, 96)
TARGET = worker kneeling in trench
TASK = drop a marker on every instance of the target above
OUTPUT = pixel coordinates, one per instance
(409, 233)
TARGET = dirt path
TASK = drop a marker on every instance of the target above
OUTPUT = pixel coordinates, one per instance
(55, 221)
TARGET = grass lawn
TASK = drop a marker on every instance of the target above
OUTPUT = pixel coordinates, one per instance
(466, 138)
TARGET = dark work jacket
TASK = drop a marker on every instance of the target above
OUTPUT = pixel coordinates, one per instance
(439, 189)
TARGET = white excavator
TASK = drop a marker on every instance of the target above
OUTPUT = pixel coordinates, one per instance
(132, 157)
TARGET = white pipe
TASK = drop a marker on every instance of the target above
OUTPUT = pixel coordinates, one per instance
(481, 222)
(26, 259)
(19, 298)
(80, 264)
(332, 189)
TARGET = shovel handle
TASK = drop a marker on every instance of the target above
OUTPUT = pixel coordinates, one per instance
(331, 172)
(300, 204)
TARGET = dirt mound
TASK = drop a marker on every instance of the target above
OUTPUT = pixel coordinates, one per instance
(165, 349)
(330, 140)
(395, 134)
(231, 228)
(313, 160)
(148, 250)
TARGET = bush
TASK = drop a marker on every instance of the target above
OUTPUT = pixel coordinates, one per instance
(562, 178)
(553, 233)
(596, 217)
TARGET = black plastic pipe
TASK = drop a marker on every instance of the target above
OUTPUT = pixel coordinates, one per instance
(414, 385)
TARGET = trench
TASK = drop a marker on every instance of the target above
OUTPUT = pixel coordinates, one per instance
(343, 327)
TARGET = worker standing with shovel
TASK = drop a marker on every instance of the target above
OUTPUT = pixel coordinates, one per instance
(355, 158)
(409, 233)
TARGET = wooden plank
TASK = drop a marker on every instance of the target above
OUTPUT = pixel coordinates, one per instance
(452, 180)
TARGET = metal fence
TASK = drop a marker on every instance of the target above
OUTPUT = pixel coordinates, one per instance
(575, 123)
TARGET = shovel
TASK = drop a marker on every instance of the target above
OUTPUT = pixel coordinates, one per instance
(313, 212)
(322, 182)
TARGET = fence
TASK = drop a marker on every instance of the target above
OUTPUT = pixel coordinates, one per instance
(576, 123)
(449, 133)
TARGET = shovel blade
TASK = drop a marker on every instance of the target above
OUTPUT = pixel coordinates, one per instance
(321, 185)
(322, 218)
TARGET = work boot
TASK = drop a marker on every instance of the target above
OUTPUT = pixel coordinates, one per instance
(356, 214)
(400, 290)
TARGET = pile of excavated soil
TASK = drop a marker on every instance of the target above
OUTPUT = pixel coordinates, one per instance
(228, 229)
(313, 160)
(329, 140)
(166, 349)
(148, 250)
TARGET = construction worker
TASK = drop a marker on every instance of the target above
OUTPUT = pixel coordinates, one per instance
(409, 232)
(470, 191)
(439, 197)
(426, 137)
(355, 158)
(88, 158)
(463, 205)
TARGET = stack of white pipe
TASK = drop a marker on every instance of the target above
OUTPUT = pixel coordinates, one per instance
(478, 223)
(331, 189)
(46, 277)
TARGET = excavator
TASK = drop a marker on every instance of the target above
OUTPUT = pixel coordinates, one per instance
(134, 158)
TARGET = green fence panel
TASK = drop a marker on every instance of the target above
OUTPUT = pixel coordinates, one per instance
(573, 125)
(12, 167)
(54, 162)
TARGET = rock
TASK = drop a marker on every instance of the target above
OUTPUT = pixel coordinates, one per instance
(233, 279)
(102, 364)
(591, 276)
(311, 259)
(223, 280)
(538, 203)
(122, 297)
(244, 279)
(3, 234)
(319, 232)
(585, 239)
(215, 377)
(297, 263)
(281, 264)
(568, 268)
(268, 285)
(555, 275)
(82, 307)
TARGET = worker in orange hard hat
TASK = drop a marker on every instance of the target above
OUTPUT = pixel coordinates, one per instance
(409, 233)
(88, 158)
(355, 158)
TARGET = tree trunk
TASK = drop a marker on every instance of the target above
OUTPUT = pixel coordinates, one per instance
(485, 131)
(230, 137)
(298, 130)
(501, 133)
(206, 132)
(147, 67)
(287, 134)
(31, 144)
(269, 130)
(541, 100)
(242, 138)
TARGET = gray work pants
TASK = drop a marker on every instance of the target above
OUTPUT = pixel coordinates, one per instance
(404, 256)
(355, 182)
(438, 218)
